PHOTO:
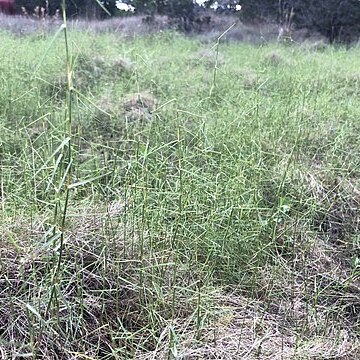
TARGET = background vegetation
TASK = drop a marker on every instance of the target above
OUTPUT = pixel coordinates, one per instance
(337, 20)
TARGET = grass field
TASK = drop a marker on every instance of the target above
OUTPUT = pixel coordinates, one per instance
(166, 198)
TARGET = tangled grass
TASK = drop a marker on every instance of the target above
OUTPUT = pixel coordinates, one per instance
(155, 207)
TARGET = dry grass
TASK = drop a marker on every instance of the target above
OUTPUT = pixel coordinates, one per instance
(305, 309)
(90, 259)
(241, 328)
(127, 27)
(209, 58)
(275, 59)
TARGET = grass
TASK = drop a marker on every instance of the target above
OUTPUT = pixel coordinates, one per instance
(213, 199)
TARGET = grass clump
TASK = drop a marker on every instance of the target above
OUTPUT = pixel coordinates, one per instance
(147, 213)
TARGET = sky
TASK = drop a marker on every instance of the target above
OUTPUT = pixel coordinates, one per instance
(129, 8)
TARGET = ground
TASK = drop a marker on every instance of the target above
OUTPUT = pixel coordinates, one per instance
(170, 197)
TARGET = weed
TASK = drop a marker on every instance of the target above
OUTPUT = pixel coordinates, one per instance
(148, 214)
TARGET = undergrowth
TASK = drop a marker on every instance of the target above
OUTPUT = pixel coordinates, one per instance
(164, 199)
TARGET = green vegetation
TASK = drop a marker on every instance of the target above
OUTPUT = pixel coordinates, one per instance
(166, 198)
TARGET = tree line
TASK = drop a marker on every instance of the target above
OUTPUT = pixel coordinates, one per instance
(337, 20)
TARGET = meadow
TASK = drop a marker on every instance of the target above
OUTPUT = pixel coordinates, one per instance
(165, 197)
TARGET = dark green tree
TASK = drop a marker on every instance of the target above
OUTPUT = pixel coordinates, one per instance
(181, 11)
(337, 20)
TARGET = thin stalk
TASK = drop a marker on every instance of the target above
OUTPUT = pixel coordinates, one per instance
(66, 178)
(215, 71)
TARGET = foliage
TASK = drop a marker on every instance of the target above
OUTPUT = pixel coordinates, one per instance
(84, 8)
(262, 10)
(337, 20)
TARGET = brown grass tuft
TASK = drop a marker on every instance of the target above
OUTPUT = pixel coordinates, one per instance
(240, 328)
(209, 58)
(139, 106)
(274, 58)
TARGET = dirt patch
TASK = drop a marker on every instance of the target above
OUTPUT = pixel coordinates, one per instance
(139, 106)
(143, 100)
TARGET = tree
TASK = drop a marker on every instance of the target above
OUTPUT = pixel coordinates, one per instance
(181, 11)
(259, 11)
(74, 8)
(337, 20)
(7, 6)
(223, 6)
(150, 7)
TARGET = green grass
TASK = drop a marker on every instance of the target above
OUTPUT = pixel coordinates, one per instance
(213, 200)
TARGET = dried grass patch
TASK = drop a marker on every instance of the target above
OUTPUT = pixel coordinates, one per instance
(239, 328)
(275, 59)
(139, 106)
(208, 58)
